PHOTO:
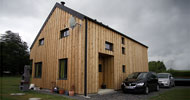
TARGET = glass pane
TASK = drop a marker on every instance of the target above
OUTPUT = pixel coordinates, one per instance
(67, 32)
(107, 46)
(36, 70)
(63, 69)
(61, 74)
(39, 69)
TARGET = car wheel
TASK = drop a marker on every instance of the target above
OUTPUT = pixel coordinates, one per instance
(174, 84)
(124, 91)
(170, 85)
(146, 90)
(157, 88)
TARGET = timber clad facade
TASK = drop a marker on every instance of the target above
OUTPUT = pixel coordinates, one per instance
(59, 53)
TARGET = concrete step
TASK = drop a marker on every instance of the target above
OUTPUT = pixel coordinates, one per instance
(105, 91)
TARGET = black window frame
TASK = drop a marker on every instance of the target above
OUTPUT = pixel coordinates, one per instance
(64, 33)
(123, 68)
(38, 73)
(40, 41)
(110, 45)
(65, 69)
(123, 50)
(122, 40)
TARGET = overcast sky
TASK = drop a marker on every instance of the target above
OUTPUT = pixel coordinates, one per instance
(162, 25)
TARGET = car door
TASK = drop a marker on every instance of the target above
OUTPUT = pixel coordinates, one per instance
(150, 81)
(155, 80)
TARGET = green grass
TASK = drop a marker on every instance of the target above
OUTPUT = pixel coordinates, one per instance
(174, 94)
(11, 85)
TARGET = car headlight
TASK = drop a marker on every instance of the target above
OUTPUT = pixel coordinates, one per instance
(139, 84)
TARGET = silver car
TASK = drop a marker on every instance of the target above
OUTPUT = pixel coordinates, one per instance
(166, 80)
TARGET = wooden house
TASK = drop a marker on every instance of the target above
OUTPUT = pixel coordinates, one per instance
(88, 56)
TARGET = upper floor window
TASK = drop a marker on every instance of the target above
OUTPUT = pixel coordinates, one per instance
(38, 70)
(123, 50)
(109, 46)
(64, 33)
(122, 40)
(41, 41)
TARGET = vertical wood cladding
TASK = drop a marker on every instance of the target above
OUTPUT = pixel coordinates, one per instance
(55, 48)
(135, 58)
(72, 47)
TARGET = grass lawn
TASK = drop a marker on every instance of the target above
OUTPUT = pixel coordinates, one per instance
(174, 94)
(11, 85)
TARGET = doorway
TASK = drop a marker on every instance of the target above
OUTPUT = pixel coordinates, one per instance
(106, 71)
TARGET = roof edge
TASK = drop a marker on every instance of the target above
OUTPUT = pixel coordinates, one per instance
(43, 26)
(72, 12)
(80, 16)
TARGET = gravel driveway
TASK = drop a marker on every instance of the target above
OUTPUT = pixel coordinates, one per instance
(119, 95)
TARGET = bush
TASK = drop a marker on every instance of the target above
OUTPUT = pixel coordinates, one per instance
(180, 73)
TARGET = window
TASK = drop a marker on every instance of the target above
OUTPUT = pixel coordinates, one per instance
(41, 41)
(154, 75)
(38, 70)
(123, 68)
(100, 67)
(63, 68)
(122, 40)
(123, 50)
(109, 46)
(64, 33)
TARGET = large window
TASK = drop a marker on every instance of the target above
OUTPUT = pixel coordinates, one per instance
(63, 69)
(108, 46)
(123, 50)
(38, 70)
(122, 40)
(123, 68)
(41, 41)
(64, 33)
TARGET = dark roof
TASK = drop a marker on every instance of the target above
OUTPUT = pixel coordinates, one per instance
(81, 16)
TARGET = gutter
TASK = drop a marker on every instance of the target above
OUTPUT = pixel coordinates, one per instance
(85, 65)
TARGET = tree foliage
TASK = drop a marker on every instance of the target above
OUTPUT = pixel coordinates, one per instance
(179, 73)
(14, 53)
(157, 66)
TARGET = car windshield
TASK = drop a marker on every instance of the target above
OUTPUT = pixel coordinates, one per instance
(137, 75)
(162, 75)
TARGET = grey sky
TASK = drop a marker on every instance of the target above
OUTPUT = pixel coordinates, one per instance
(163, 25)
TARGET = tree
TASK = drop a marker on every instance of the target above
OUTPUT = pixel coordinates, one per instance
(14, 53)
(156, 66)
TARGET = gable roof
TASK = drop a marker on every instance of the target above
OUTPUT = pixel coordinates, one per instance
(82, 17)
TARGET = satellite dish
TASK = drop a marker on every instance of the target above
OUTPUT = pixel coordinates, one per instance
(72, 22)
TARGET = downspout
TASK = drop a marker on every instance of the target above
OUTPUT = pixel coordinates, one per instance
(85, 65)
